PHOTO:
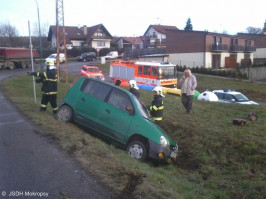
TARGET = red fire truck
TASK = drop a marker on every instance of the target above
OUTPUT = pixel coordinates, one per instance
(144, 73)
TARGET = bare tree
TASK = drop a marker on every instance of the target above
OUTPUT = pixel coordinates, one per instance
(8, 33)
(44, 29)
(253, 30)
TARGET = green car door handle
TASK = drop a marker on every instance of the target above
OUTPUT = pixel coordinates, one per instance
(82, 99)
(108, 111)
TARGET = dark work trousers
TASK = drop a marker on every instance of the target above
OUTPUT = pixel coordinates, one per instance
(48, 98)
(187, 101)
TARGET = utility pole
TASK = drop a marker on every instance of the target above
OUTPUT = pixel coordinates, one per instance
(40, 35)
(60, 37)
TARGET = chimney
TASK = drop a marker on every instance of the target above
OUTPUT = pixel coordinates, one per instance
(85, 30)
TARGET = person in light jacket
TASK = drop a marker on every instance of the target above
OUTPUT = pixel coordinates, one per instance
(188, 84)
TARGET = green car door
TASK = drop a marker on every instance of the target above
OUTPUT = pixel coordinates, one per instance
(89, 104)
(117, 114)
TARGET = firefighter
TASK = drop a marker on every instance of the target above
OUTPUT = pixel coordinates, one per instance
(156, 109)
(134, 88)
(49, 87)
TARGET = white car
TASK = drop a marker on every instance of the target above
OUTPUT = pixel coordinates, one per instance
(231, 96)
(111, 55)
(53, 58)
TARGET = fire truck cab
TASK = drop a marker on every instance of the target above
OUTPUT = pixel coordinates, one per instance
(144, 73)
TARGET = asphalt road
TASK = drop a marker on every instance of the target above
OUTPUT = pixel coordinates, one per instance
(31, 166)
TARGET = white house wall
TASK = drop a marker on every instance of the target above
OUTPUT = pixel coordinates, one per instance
(224, 55)
(76, 43)
(188, 59)
(159, 35)
(53, 41)
(120, 44)
(208, 59)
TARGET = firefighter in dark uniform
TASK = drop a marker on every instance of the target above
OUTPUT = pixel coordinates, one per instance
(49, 87)
(134, 88)
(156, 109)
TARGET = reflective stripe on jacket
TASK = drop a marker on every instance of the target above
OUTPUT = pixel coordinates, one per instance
(49, 86)
(157, 107)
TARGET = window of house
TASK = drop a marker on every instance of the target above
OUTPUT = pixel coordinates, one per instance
(234, 41)
(248, 43)
(101, 44)
(219, 40)
(216, 40)
(233, 56)
(154, 34)
(247, 56)
(99, 34)
(147, 70)
(140, 69)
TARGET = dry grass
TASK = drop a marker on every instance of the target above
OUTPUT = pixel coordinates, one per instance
(216, 159)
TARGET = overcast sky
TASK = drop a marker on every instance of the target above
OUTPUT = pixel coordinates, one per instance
(132, 17)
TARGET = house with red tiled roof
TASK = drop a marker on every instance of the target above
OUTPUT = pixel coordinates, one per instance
(206, 49)
(157, 35)
(96, 36)
(131, 43)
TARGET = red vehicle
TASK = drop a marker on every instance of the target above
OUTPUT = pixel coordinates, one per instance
(92, 72)
(144, 73)
(16, 57)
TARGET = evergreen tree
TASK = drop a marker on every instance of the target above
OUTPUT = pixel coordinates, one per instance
(189, 26)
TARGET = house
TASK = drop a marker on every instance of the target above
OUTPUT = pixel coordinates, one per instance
(260, 43)
(131, 43)
(211, 50)
(157, 35)
(96, 36)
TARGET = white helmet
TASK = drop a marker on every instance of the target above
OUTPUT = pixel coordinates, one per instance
(133, 84)
(158, 91)
(50, 64)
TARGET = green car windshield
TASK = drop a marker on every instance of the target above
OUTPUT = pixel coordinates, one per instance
(142, 109)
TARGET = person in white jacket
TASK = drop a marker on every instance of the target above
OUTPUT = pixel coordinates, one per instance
(188, 84)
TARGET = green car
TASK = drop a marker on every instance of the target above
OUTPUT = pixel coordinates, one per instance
(118, 115)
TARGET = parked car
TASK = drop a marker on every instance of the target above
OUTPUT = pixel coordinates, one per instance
(231, 96)
(111, 55)
(117, 115)
(53, 58)
(90, 56)
(91, 71)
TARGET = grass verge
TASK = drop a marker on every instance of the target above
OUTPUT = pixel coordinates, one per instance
(216, 159)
